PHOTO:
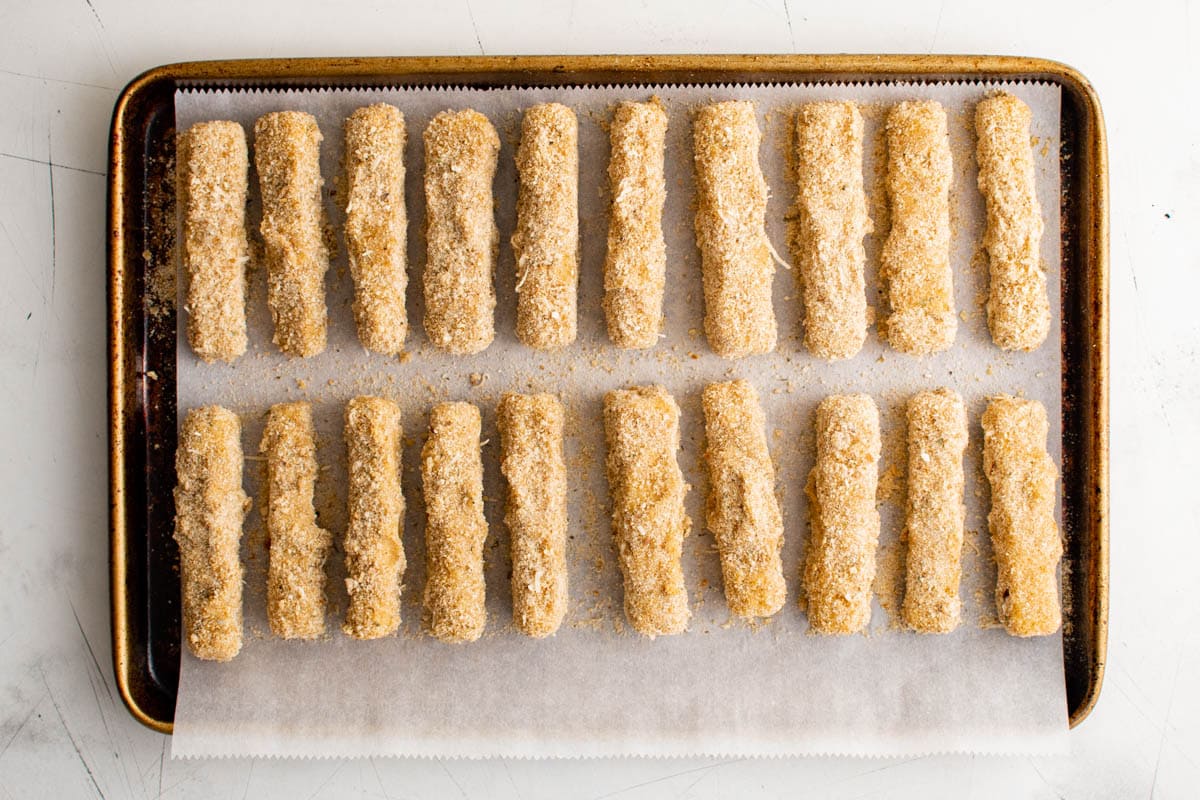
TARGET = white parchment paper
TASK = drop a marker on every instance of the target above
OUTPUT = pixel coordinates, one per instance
(596, 688)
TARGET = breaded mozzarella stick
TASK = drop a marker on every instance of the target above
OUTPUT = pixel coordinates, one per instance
(210, 507)
(635, 266)
(299, 547)
(213, 165)
(844, 525)
(374, 549)
(731, 207)
(546, 241)
(287, 156)
(1025, 536)
(531, 441)
(649, 521)
(937, 436)
(455, 530)
(1018, 305)
(461, 148)
(377, 225)
(829, 223)
(916, 256)
(743, 512)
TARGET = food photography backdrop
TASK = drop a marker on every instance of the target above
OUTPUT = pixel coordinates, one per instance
(63, 728)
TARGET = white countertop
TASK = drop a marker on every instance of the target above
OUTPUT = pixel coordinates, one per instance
(63, 729)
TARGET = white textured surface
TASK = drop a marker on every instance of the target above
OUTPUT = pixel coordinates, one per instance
(64, 733)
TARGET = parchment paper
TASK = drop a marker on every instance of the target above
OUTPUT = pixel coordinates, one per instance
(596, 688)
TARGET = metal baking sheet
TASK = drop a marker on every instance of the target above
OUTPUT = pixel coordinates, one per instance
(145, 611)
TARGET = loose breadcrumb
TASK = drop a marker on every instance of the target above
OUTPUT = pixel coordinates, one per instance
(298, 546)
(635, 266)
(455, 529)
(937, 437)
(213, 165)
(531, 441)
(461, 148)
(839, 567)
(649, 521)
(374, 549)
(1025, 536)
(287, 156)
(742, 510)
(829, 222)
(546, 241)
(377, 225)
(210, 507)
(731, 206)
(915, 262)
(1018, 306)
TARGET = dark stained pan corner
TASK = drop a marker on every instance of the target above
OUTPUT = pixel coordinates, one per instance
(141, 315)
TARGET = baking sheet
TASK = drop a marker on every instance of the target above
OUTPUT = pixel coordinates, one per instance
(597, 689)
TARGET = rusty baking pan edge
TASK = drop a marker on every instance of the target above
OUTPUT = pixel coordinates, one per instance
(143, 563)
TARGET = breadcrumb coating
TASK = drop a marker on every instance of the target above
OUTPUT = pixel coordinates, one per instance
(377, 225)
(374, 549)
(210, 508)
(649, 521)
(531, 447)
(742, 510)
(298, 546)
(1018, 306)
(455, 529)
(1025, 536)
(213, 166)
(635, 266)
(731, 208)
(937, 437)
(287, 156)
(844, 525)
(829, 222)
(546, 241)
(461, 148)
(915, 263)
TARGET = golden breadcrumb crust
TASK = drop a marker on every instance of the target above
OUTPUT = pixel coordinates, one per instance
(546, 241)
(1025, 536)
(635, 266)
(649, 521)
(742, 510)
(377, 225)
(915, 263)
(210, 507)
(829, 221)
(461, 148)
(298, 546)
(731, 207)
(839, 566)
(374, 549)
(1018, 306)
(937, 437)
(213, 165)
(455, 529)
(531, 459)
(287, 156)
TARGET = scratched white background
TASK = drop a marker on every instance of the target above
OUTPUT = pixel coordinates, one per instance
(64, 732)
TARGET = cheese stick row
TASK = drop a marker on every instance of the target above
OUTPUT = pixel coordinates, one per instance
(827, 226)
(649, 519)
(211, 507)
